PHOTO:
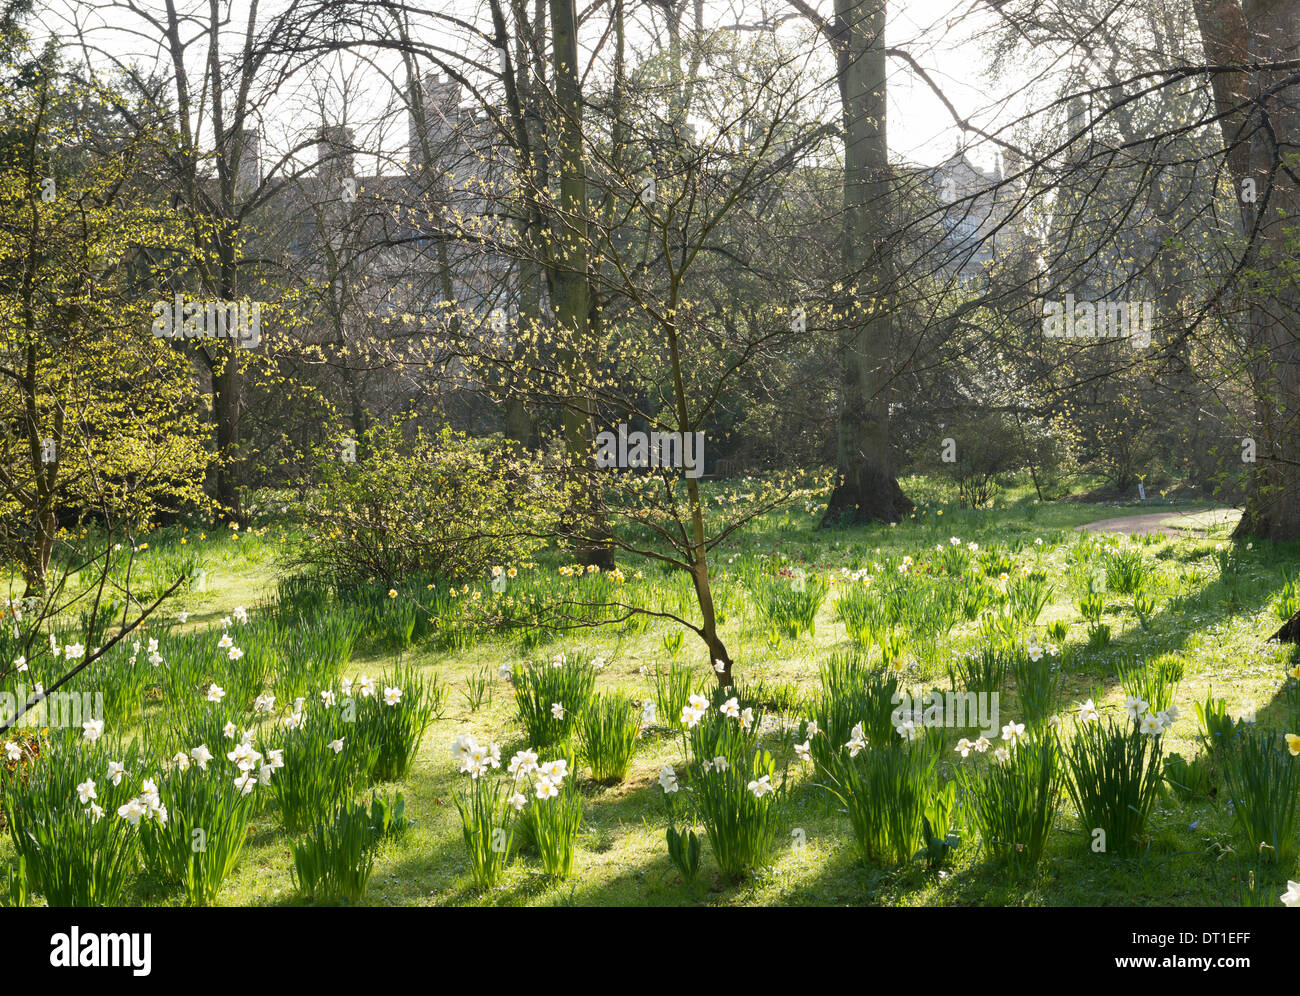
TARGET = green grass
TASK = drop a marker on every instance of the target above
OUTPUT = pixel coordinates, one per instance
(1215, 625)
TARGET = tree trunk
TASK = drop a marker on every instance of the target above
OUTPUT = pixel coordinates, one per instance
(866, 490)
(1290, 631)
(571, 291)
(1273, 334)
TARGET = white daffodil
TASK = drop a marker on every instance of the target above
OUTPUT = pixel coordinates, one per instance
(132, 811)
(556, 770)
(857, 742)
(667, 779)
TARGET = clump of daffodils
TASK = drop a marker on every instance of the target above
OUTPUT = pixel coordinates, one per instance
(475, 759)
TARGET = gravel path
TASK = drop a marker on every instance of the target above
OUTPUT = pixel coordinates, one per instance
(1148, 522)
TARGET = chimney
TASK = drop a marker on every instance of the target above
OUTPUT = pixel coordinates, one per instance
(249, 176)
(1012, 163)
(1078, 115)
(334, 151)
(434, 112)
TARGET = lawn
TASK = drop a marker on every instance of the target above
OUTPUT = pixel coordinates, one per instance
(1214, 607)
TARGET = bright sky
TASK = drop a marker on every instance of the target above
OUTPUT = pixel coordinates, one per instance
(935, 32)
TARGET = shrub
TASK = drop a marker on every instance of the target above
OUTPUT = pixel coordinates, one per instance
(446, 505)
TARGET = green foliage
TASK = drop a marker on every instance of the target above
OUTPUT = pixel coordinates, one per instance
(1114, 779)
(485, 822)
(891, 794)
(1218, 729)
(684, 852)
(739, 821)
(71, 856)
(984, 672)
(851, 693)
(789, 603)
(1155, 683)
(1263, 784)
(1126, 570)
(552, 827)
(539, 687)
(388, 815)
(673, 686)
(447, 506)
(1013, 803)
(392, 730)
(608, 730)
(316, 775)
(200, 843)
(1189, 779)
(333, 861)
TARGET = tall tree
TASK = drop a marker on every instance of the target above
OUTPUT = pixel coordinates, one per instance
(866, 489)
